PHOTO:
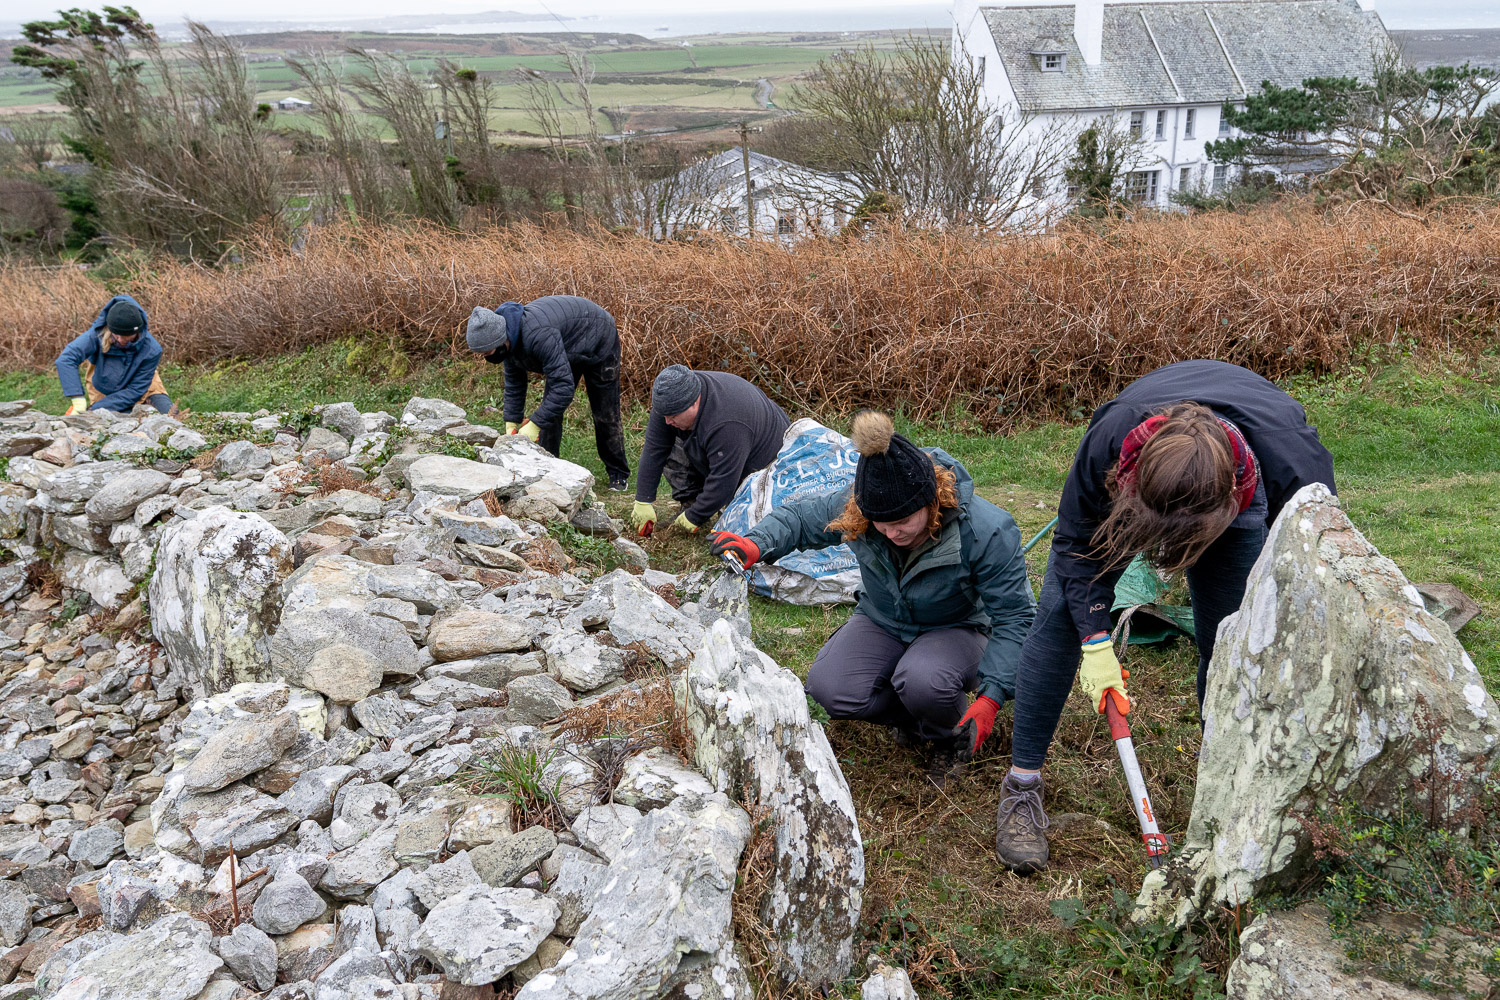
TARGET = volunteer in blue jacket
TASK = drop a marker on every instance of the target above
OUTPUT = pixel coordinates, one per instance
(944, 601)
(1190, 466)
(566, 339)
(122, 357)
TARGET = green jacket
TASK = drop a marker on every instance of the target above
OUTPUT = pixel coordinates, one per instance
(973, 573)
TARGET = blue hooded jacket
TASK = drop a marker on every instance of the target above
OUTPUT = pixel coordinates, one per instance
(123, 373)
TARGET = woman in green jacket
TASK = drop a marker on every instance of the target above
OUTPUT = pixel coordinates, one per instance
(944, 603)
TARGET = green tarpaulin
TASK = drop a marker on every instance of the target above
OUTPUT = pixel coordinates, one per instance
(1154, 621)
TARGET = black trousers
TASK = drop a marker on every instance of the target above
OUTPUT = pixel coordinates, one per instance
(685, 478)
(1051, 653)
(602, 383)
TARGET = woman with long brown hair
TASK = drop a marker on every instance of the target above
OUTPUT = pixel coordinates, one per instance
(944, 601)
(1188, 466)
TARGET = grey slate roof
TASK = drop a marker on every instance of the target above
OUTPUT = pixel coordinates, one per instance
(1171, 53)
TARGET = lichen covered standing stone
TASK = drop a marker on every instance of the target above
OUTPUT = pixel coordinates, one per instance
(216, 595)
(756, 742)
(1332, 684)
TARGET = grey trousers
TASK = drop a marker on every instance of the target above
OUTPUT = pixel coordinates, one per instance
(863, 672)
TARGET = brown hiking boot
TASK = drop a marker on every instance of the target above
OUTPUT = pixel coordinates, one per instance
(946, 759)
(948, 756)
(1021, 825)
(907, 739)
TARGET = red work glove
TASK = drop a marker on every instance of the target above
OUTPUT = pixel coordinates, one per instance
(982, 714)
(746, 551)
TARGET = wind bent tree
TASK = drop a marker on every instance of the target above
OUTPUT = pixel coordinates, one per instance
(1409, 138)
(914, 125)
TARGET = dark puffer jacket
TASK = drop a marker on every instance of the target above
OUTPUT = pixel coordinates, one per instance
(1274, 424)
(974, 574)
(560, 337)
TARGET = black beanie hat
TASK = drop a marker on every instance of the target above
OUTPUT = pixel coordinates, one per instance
(124, 318)
(894, 478)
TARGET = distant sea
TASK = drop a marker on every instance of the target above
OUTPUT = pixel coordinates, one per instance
(709, 22)
(1405, 14)
(1399, 14)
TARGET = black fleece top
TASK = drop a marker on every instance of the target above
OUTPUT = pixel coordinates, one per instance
(560, 336)
(1274, 424)
(738, 431)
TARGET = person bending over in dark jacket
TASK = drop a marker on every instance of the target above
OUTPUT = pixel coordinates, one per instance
(707, 432)
(566, 338)
(944, 602)
(1190, 466)
(122, 357)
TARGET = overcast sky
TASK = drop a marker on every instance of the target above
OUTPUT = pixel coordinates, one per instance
(1396, 13)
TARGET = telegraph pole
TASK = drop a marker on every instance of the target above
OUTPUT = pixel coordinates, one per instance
(749, 194)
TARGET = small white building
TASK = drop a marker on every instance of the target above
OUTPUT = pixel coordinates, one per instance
(1163, 70)
(293, 104)
(790, 200)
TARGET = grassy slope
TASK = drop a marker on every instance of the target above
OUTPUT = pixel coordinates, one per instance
(1414, 444)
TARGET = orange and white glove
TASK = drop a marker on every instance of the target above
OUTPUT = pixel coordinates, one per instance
(1101, 674)
(80, 405)
(511, 427)
(530, 432)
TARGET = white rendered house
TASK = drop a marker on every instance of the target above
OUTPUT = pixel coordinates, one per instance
(1163, 70)
(790, 200)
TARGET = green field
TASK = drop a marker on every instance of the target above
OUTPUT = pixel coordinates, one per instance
(648, 85)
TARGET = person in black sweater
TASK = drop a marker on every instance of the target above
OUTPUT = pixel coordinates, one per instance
(707, 432)
(1190, 466)
(566, 338)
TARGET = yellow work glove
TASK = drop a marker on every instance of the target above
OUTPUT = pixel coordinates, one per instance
(1101, 672)
(641, 514)
(80, 405)
(530, 431)
(686, 525)
(511, 428)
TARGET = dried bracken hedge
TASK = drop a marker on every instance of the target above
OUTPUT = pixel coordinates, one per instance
(1007, 326)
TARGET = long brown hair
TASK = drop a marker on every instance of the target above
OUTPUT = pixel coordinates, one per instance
(1179, 498)
(853, 523)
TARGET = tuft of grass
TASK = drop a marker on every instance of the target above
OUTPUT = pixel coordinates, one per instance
(518, 774)
(596, 553)
(646, 710)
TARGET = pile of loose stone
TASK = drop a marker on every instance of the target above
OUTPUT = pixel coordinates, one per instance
(242, 712)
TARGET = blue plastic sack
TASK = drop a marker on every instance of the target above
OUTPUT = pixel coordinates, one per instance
(813, 460)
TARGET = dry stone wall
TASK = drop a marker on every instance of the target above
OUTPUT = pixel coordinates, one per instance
(248, 670)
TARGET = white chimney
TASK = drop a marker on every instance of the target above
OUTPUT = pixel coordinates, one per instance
(1088, 30)
(964, 12)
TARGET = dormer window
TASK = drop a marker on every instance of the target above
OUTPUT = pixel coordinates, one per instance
(1050, 55)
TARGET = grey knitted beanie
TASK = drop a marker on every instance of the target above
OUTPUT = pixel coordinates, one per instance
(675, 389)
(486, 330)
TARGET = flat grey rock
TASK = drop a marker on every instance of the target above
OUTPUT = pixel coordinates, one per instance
(438, 882)
(241, 749)
(250, 955)
(480, 934)
(118, 498)
(504, 862)
(286, 904)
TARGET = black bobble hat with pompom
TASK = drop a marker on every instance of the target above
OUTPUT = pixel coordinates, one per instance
(894, 478)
